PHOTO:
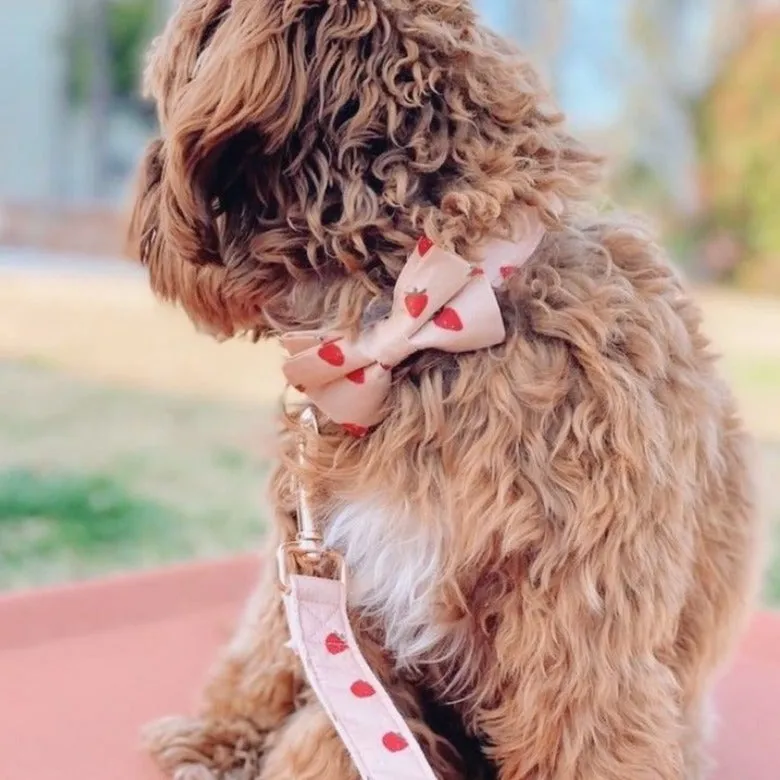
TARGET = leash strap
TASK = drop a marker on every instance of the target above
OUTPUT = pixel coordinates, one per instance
(374, 732)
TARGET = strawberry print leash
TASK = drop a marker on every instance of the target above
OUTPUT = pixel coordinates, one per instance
(375, 734)
(372, 729)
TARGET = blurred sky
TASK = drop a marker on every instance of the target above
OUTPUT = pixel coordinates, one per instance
(593, 44)
(596, 55)
(585, 83)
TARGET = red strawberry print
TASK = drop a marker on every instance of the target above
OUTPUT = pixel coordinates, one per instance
(424, 245)
(335, 644)
(476, 271)
(448, 319)
(358, 376)
(416, 302)
(507, 270)
(394, 742)
(362, 689)
(358, 431)
(331, 353)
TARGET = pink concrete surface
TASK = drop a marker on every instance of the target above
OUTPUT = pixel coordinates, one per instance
(83, 667)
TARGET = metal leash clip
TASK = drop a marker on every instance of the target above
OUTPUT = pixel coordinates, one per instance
(308, 545)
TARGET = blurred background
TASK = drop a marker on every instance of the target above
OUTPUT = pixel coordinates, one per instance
(127, 440)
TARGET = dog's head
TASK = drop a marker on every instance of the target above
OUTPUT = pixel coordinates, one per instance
(306, 144)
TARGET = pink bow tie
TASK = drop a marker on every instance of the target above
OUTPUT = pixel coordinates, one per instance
(440, 302)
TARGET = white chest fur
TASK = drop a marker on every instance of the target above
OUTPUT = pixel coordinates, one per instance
(393, 563)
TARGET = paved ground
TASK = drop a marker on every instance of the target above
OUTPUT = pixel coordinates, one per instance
(85, 667)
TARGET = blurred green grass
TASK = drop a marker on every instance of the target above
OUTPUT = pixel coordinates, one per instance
(772, 582)
(136, 464)
(95, 480)
(49, 521)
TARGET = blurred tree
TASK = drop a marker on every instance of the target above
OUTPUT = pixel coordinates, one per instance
(675, 49)
(130, 26)
(121, 29)
(104, 45)
(101, 69)
(739, 136)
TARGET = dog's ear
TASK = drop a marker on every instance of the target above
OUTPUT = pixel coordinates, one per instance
(244, 99)
(230, 92)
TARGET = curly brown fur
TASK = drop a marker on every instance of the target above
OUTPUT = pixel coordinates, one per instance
(584, 484)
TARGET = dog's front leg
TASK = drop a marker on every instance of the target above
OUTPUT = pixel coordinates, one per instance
(250, 693)
(624, 728)
(582, 686)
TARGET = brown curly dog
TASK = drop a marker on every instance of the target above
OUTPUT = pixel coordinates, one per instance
(551, 542)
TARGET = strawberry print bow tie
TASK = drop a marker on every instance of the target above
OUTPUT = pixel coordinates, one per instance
(440, 302)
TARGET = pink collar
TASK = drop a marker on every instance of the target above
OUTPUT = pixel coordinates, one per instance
(440, 302)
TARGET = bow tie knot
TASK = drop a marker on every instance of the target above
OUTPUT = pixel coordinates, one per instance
(386, 344)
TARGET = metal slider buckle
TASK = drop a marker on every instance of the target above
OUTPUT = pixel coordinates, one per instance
(308, 544)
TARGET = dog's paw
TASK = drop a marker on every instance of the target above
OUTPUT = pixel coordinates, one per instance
(200, 772)
(193, 772)
(195, 749)
(178, 744)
